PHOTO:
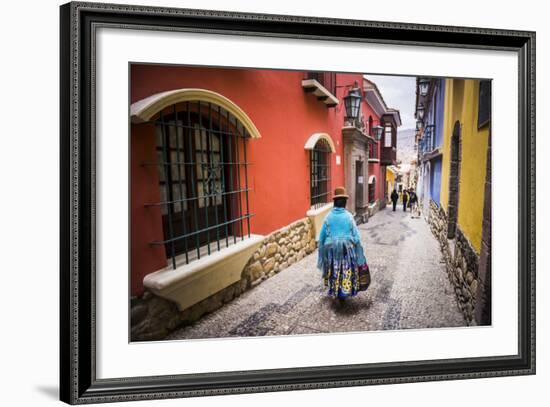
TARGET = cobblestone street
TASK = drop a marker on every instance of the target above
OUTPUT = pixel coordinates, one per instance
(409, 289)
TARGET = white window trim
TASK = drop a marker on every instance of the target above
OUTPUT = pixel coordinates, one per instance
(190, 283)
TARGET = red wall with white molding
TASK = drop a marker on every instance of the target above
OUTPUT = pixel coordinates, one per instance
(279, 176)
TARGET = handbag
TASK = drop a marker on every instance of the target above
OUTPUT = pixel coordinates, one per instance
(364, 277)
(363, 271)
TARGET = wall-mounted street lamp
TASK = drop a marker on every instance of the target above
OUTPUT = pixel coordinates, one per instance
(420, 111)
(378, 132)
(424, 85)
(418, 125)
(352, 102)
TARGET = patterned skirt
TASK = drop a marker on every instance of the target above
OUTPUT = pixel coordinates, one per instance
(340, 270)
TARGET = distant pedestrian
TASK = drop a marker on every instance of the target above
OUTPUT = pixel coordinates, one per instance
(394, 197)
(340, 252)
(413, 199)
(405, 199)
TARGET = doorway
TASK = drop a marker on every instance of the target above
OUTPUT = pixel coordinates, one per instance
(454, 181)
(359, 182)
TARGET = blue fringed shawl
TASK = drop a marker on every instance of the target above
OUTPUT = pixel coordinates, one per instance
(339, 235)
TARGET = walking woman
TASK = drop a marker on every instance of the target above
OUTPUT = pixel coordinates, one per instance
(340, 251)
(413, 200)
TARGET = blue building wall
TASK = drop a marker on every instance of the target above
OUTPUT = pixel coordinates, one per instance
(435, 115)
(440, 112)
(435, 180)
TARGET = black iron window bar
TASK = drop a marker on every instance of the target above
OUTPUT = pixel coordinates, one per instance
(320, 174)
(430, 133)
(373, 150)
(428, 140)
(203, 176)
(372, 191)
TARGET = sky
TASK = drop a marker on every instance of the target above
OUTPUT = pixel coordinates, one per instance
(398, 93)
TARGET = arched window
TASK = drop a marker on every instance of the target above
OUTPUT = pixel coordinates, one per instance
(372, 189)
(373, 145)
(426, 195)
(320, 173)
(370, 132)
(202, 168)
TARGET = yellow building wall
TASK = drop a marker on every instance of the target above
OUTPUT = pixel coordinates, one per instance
(461, 103)
(390, 179)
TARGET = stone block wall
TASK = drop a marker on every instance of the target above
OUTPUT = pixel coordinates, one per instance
(483, 309)
(461, 261)
(153, 318)
(279, 250)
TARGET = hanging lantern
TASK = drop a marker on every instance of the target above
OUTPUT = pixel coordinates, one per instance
(420, 111)
(378, 132)
(423, 86)
(352, 102)
(418, 125)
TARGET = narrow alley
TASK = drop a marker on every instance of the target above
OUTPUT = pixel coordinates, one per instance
(409, 289)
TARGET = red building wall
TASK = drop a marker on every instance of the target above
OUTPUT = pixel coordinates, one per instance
(145, 222)
(279, 177)
(374, 168)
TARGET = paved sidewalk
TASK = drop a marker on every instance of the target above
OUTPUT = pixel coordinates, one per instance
(409, 289)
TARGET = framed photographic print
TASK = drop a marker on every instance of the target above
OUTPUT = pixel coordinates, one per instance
(255, 203)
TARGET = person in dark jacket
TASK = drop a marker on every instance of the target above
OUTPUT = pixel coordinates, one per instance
(413, 201)
(394, 197)
(405, 200)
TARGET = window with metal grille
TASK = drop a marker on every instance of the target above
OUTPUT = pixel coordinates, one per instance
(202, 169)
(429, 135)
(320, 173)
(369, 130)
(373, 150)
(372, 189)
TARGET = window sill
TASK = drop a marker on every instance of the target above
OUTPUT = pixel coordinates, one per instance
(322, 93)
(190, 283)
(317, 216)
(430, 155)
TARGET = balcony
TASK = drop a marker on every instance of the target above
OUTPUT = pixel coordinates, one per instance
(427, 145)
(388, 156)
(322, 85)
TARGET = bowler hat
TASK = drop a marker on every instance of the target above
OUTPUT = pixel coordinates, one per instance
(340, 192)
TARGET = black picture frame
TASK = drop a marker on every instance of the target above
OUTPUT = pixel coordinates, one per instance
(78, 382)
